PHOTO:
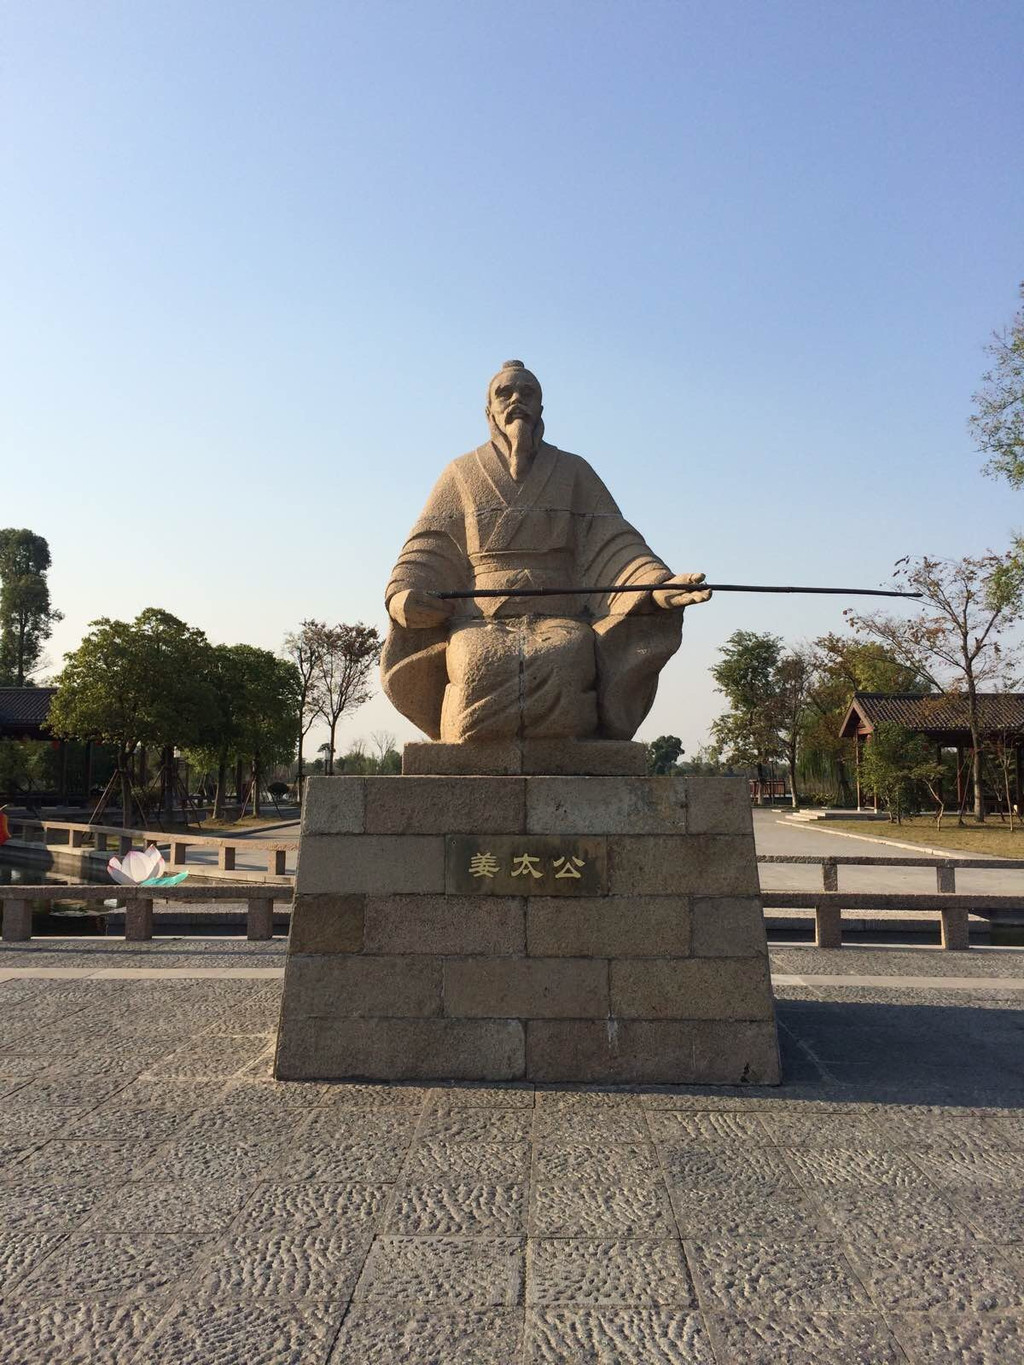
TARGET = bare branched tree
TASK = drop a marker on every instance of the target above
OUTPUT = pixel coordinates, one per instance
(383, 742)
(954, 641)
(302, 649)
(346, 656)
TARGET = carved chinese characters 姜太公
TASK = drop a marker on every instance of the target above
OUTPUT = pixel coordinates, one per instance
(525, 865)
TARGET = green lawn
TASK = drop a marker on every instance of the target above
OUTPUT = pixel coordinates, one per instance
(992, 837)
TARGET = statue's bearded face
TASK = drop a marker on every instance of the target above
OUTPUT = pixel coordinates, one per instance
(514, 396)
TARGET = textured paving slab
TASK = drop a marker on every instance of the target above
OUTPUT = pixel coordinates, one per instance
(659, 1336)
(164, 1202)
(810, 1339)
(73, 1333)
(379, 1335)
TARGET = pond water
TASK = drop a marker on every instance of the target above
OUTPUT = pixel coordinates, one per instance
(62, 918)
(14, 870)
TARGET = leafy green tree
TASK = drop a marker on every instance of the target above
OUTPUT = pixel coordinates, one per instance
(706, 762)
(794, 676)
(998, 420)
(26, 616)
(663, 755)
(252, 717)
(895, 766)
(842, 665)
(265, 711)
(132, 683)
(27, 766)
(748, 733)
(954, 639)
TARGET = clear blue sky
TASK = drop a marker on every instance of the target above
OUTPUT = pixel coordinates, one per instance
(260, 259)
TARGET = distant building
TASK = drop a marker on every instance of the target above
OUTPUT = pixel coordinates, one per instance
(942, 718)
(23, 710)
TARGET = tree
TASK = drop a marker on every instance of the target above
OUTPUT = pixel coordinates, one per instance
(345, 657)
(663, 755)
(265, 711)
(705, 763)
(955, 641)
(842, 665)
(998, 420)
(748, 676)
(26, 617)
(144, 682)
(251, 719)
(387, 761)
(1001, 752)
(895, 765)
(794, 679)
(302, 648)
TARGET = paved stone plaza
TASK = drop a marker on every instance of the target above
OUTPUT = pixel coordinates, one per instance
(163, 1201)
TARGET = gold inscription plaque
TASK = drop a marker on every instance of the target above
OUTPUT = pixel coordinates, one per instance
(525, 865)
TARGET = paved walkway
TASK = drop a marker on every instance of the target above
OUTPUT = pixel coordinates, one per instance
(774, 834)
(163, 1201)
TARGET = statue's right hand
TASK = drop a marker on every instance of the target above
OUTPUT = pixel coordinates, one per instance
(419, 610)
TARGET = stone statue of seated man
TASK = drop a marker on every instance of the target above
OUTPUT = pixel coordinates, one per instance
(518, 512)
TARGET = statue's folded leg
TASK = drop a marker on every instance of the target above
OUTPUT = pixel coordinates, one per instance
(526, 677)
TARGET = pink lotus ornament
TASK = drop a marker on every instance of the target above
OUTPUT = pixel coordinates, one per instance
(139, 868)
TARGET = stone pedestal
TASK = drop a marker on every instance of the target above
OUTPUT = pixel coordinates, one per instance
(580, 929)
(562, 757)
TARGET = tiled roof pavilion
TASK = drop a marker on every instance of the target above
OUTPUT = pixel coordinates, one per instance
(940, 716)
(23, 710)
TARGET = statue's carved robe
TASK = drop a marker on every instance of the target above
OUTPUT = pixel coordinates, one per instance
(532, 668)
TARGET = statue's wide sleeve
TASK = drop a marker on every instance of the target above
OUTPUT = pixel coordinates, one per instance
(635, 639)
(433, 559)
(611, 551)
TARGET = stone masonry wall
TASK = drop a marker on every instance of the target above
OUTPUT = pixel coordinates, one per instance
(636, 954)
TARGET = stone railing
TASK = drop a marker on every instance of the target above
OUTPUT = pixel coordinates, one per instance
(138, 902)
(104, 838)
(829, 903)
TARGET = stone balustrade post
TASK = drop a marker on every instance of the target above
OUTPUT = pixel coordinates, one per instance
(17, 921)
(828, 925)
(101, 842)
(945, 878)
(226, 858)
(276, 861)
(75, 837)
(178, 852)
(829, 875)
(259, 921)
(955, 929)
(126, 844)
(138, 920)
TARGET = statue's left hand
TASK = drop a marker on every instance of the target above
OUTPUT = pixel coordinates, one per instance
(677, 591)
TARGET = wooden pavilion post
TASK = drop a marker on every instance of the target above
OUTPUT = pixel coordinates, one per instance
(856, 766)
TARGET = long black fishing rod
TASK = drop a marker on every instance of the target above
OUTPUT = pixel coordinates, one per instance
(666, 587)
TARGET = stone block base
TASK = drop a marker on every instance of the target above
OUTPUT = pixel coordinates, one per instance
(569, 929)
(552, 757)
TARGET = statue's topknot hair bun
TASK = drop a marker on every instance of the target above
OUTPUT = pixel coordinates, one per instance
(513, 365)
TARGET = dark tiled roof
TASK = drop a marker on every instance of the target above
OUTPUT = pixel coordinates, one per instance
(27, 706)
(941, 713)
